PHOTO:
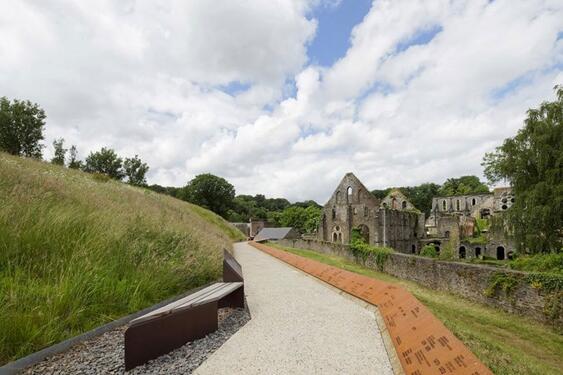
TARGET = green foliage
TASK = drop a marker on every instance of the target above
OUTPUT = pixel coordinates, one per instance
(462, 186)
(211, 192)
(550, 263)
(73, 162)
(106, 162)
(135, 171)
(429, 251)
(21, 128)
(305, 220)
(361, 250)
(60, 152)
(501, 280)
(532, 162)
(76, 254)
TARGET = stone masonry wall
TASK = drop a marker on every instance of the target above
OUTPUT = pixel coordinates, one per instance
(466, 280)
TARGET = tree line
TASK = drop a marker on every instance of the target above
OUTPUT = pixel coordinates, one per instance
(22, 124)
(218, 195)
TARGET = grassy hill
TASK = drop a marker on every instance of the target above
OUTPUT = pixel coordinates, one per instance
(79, 250)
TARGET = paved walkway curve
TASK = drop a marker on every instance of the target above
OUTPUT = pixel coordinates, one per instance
(298, 326)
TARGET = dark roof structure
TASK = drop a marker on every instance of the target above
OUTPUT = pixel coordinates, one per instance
(276, 234)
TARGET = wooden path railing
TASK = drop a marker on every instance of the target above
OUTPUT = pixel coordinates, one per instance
(422, 342)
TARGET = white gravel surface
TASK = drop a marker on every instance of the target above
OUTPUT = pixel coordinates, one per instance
(299, 326)
(105, 354)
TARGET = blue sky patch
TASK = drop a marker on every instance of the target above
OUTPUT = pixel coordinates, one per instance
(235, 87)
(335, 24)
(421, 37)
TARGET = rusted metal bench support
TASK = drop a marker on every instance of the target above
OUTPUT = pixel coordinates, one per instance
(151, 339)
(190, 318)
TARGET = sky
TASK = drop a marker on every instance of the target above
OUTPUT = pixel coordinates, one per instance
(283, 97)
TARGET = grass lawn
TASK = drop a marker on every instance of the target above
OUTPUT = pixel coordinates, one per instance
(78, 250)
(507, 343)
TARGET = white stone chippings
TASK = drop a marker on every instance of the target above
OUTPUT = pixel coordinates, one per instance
(298, 326)
(105, 354)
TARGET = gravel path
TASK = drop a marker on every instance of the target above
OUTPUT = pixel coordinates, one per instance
(298, 326)
(104, 354)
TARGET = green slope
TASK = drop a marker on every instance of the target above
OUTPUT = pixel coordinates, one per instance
(77, 250)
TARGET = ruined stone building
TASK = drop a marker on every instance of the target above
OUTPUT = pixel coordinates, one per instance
(395, 222)
(392, 222)
(454, 219)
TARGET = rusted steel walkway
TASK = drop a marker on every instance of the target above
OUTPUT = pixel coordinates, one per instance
(423, 344)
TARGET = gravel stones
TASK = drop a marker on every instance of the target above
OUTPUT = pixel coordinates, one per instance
(105, 354)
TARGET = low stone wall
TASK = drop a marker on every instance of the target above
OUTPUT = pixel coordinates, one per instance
(467, 280)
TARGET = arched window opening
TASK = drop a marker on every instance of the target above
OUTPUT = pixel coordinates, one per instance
(462, 252)
(457, 205)
(340, 237)
(366, 212)
(338, 197)
(477, 252)
(444, 206)
(500, 253)
(447, 234)
(404, 205)
(364, 232)
(349, 194)
(333, 214)
(334, 237)
(473, 202)
(413, 249)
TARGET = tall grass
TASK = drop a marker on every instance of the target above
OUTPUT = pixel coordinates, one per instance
(76, 252)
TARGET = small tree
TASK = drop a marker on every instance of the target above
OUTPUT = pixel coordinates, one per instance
(212, 192)
(21, 128)
(106, 162)
(60, 152)
(135, 171)
(73, 161)
(532, 162)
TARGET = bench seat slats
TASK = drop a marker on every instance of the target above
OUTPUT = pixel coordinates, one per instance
(212, 293)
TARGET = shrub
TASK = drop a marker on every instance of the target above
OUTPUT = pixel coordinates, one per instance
(429, 251)
(552, 263)
(362, 250)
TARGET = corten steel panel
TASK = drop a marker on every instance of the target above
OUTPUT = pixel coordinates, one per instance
(232, 270)
(153, 338)
(423, 344)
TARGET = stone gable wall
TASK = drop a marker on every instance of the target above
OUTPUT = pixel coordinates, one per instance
(466, 280)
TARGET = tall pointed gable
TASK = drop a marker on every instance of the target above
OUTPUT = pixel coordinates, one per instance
(350, 181)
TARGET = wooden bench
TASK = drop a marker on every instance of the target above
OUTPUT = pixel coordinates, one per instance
(187, 319)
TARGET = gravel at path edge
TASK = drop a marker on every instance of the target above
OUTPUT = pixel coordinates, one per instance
(105, 354)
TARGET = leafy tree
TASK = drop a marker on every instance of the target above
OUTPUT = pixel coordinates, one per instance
(106, 162)
(421, 195)
(73, 161)
(135, 171)
(212, 192)
(60, 152)
(463, 185)
(532, 162)
(304, 220)
(381, 193)
(21, 128)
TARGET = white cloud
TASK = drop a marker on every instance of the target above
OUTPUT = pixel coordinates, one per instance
(146, 77)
